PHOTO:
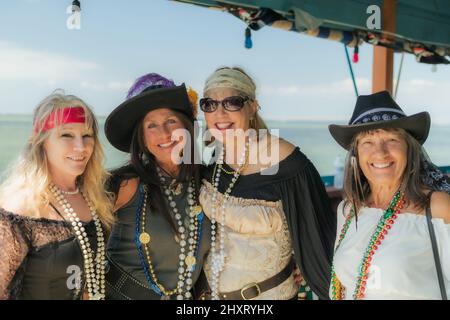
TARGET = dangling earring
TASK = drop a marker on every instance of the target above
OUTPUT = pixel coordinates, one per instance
(359, 188)
(353, 161)
(253, 122)
(354, 165)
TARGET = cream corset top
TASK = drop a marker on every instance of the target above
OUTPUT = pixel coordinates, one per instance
(246, 216)
(257, 243)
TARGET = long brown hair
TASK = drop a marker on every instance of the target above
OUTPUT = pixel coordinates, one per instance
(143, 165)
(356, 187)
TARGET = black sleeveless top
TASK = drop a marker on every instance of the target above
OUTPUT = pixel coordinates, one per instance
(164, 248)
(41, 258)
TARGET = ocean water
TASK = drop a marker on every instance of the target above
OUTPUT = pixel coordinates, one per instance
(312, 137)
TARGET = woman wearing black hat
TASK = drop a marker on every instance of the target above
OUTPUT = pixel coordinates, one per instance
(160, 238)
(394, 223)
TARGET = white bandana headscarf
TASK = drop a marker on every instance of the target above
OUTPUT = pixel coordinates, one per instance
(231, 78)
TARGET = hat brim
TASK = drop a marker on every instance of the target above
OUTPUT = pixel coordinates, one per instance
(121, 122)
(418, 125)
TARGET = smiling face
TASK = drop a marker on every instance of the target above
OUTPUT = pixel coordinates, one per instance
(68, 149)
(159, 136)
(222, 119)
(382, 157)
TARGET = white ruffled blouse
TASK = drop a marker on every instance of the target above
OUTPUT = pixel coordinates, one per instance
(403, 266)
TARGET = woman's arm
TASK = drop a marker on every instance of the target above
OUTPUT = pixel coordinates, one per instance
(440, 206)
(312, 222)
(127, 190)
(15, 248)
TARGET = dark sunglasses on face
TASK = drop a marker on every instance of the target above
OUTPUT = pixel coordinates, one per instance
(234, 103)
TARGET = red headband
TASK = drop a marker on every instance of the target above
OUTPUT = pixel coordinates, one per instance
(66, 115)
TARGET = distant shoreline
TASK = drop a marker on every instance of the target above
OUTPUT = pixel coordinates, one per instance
(23, 117)
(312, 136)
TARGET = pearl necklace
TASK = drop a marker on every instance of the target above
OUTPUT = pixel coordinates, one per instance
(187, 261)
(94, 269)
(70, 193)
(218, 258)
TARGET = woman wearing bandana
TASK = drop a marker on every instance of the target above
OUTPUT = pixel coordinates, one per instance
(53, 208)
(266, 201)
(394, 223)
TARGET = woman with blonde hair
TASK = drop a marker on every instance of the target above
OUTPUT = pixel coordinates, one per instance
(265, 199)
(53, 208)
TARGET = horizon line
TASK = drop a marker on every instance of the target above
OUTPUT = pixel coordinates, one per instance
(281, 119)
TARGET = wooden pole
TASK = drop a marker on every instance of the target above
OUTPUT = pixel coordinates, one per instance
(383, 58)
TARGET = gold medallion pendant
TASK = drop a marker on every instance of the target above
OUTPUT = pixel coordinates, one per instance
(197, 209)
(144, 238)
(190, 261)
(176, 187)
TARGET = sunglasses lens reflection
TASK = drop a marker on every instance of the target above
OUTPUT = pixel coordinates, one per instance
(234, 103)
(208, 105)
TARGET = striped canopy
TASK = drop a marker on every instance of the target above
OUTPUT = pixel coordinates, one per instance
(422, 27)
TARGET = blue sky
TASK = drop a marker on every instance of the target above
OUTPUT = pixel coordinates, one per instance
(298, 77)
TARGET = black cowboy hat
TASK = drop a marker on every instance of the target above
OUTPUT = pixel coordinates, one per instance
(379, 111)
(121, 122)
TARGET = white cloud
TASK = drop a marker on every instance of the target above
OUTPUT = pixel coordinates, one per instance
(46, 83)
(111, 85)
(420, 83)
(118, 85)
(417, 95)
(91, 85)
(335, 100)
(46, 69)
(424, 85)
(18, 63)
(338, 87)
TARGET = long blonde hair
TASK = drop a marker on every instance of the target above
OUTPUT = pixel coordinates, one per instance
(28, 179)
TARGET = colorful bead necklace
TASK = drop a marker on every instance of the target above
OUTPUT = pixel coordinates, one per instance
(382, 229)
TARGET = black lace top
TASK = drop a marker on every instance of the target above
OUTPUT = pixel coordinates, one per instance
(40, 258)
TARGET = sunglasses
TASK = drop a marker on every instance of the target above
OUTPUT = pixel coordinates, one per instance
(234, 103)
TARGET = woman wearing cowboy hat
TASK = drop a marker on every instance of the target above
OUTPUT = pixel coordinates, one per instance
(160, 238)
(394, 223)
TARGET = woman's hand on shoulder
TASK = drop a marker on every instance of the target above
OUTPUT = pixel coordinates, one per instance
(440, 206)
(127, 190)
